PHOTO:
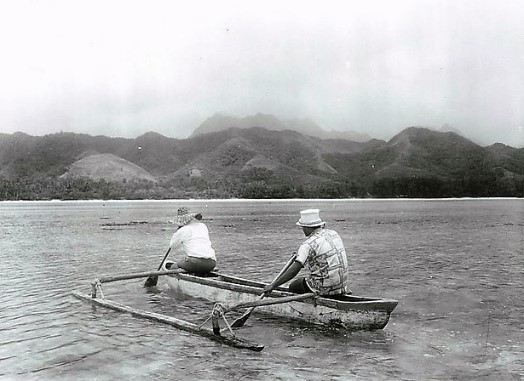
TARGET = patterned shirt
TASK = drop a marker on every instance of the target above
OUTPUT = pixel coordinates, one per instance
(323, 253)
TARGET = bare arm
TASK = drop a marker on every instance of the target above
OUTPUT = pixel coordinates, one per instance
(290, 273)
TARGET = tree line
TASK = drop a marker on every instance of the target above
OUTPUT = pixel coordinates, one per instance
(257, 187)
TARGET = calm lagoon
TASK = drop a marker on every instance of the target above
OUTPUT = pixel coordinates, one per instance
(456, 267)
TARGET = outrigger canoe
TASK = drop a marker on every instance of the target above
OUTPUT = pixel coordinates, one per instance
(348, 311)
(232, 293)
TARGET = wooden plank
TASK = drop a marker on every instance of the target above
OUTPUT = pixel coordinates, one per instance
(214, 282)
(270, 301)
(245, 282)
(178, 323)
(137, 275)
(241, 281)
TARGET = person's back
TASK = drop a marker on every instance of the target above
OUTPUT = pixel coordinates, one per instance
(323, 253)
(194, 238)
(191, 241)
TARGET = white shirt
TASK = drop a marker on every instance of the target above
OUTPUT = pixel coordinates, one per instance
(193, 241)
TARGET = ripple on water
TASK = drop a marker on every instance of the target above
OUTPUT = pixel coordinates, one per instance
(455, 266)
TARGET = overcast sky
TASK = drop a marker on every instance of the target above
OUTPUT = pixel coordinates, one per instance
(122, 68)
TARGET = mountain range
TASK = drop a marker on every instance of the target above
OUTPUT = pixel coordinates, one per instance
(220, 122)
(256, 158)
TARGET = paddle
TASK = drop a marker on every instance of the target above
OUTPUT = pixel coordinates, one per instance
(152, 280)
(242, 319)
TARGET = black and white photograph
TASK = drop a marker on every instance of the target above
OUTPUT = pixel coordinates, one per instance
(262, 190)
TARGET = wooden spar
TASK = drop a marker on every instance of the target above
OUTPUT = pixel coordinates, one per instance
(138, 275)
(97, 283)
(267, 302)
(242, 320)
(178, 323)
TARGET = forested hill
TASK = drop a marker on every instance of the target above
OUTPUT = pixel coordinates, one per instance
(255, 163)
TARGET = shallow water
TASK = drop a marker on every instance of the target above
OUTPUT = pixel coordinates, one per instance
(456, 267)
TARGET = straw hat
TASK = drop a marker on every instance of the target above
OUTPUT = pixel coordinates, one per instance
(310, 218)
(184, 216)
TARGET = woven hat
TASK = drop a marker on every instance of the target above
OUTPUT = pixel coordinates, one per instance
(184, 216)
(310, 218)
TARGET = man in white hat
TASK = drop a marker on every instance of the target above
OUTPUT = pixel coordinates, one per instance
(324, 255)
(192, 241)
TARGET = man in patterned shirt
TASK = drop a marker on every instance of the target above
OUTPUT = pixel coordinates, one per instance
(323, 254)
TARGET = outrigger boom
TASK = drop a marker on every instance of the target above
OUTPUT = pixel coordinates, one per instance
(97, 297)
(178, 323)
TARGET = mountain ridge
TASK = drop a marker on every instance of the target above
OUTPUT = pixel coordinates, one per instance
(257, 162)
(219, 122)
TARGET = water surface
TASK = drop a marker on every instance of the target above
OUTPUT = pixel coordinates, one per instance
(456, 267)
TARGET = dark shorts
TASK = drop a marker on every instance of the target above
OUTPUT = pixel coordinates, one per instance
(197, 265)
(299, 286)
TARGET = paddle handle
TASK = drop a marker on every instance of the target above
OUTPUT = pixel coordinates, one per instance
(242, 320)
(284, 269)
(260, 302)
(153, 279)
(163, 260)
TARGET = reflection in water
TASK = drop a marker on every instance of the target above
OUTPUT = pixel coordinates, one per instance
(455, 266)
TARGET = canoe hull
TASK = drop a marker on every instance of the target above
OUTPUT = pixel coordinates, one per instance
(356, 314)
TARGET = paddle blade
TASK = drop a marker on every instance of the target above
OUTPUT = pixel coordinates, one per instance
(242, 319)
(151, 281)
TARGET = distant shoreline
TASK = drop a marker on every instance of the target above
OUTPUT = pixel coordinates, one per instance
(262, 200)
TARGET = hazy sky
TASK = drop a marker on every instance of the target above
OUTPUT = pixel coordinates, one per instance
(122, 68)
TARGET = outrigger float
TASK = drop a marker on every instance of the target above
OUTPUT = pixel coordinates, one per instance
(231, 293)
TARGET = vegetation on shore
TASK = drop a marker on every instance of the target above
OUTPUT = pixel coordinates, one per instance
(255, 164)
(84, 189)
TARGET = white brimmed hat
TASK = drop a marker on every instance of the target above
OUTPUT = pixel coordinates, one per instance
(184, 216)
(310, 218)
